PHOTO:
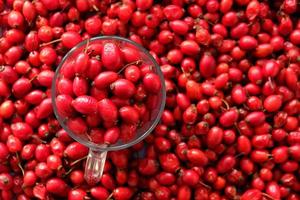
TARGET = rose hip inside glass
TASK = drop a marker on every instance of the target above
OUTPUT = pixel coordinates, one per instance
(108, 94)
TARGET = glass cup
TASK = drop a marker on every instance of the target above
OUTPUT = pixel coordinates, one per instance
(97, 152)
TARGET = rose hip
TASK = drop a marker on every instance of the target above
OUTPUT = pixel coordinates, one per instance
(107, 110)
(70, 38)
(64, 105)
(44, 109)
(238, 94)
(21, 87)
(21, 130)
(81, 63)
(123, 88)
(229, 117)
(77, 125)
(273, 103)
(152, 83)
(214, 137)
(132, 73)
(207, 65)
(112, 135)
(197, 157)
(104, 79)
(255, 118)
(129, 114)
(85, 104)
(111, 56)
(254, 194)
(80, 86)
(57, 186)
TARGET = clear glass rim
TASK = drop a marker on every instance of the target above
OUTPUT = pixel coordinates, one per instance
(122, 146)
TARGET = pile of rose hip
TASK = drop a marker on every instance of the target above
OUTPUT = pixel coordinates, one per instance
(230, 128)
(105, 92)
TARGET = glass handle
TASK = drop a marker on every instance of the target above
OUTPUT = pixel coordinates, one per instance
(94, 166)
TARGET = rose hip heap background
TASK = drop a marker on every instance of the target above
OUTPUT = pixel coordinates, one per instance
(230, 129)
